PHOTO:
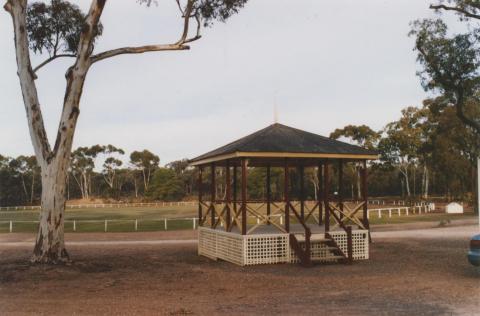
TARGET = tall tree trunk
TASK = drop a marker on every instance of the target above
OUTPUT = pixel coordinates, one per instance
(24, 188)
(32, 188)
(50, 244)
(359, 187)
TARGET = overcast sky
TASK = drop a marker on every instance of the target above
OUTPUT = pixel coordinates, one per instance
(325, 64)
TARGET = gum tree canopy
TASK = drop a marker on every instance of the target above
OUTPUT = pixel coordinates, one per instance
(62, 30)
(451, 63)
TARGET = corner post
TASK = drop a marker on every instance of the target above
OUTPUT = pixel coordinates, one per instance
(200, 193)
(365, 220)
(302, 193)
(235, 188)
(228, 197)
(340, 187)
(326, 186)
(320, 193)
(286, 196)
(269, 194)
(244, 196)
(213, 189)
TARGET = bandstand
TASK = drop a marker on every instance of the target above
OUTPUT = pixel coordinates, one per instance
(244, 231)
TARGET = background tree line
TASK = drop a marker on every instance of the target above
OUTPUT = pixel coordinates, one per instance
(427, 151)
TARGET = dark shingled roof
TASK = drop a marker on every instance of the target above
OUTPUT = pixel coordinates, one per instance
(280, 138)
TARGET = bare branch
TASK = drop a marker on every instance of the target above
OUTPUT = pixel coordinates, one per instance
(38, 134)
(458, 10)
(49, 60)
(179, 45)
(137, 50)
(75, 79)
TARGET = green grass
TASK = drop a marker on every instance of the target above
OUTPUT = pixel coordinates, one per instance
(179, 217)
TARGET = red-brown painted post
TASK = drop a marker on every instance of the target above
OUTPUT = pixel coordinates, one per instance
(349, 244)
(244, 196)
(326, 187)
(302, 193)
(340, 186)
(200, 210)
(212, 194)
(320, 193)
(228, 197)
(365, 220)
(235, 188)
(269, 194)
(286, 196)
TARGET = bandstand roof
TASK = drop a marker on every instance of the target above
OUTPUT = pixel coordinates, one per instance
(276, 142)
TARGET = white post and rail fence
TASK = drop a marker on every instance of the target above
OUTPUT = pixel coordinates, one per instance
(137, 224)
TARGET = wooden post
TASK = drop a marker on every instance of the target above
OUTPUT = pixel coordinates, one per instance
(235, 189)
(364, 191)
(244, 196)
(302, 193)
(213, 191)
(326, 186)
(365, 199)
(320, 193)
(228, 195)
(269, 195)
(200, 210)
(340, 186)
(286, 196)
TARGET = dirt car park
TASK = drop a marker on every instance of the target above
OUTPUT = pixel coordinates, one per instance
(415, 270)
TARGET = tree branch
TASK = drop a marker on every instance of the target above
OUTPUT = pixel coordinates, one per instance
(460, 107)
(458, 10)
(75, 80)
(49, 60)
(38, 135)
(179, 45)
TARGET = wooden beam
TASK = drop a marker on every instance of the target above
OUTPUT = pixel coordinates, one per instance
(200, 210)
(286, 195)
(244, 196)
(213, 192)
(228, 184)
(326, 189)
(269, 194)
(285, 155)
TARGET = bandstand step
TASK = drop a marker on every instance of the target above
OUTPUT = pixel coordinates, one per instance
(313, 238)
(328, 258)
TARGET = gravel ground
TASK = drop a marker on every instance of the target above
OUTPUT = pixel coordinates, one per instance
(414, 272)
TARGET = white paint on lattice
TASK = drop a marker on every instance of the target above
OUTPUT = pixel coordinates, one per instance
(271, 248)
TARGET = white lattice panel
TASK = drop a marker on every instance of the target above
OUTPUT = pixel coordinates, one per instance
(271, 248)
(220, 245)
(266, 249)
(359, 243)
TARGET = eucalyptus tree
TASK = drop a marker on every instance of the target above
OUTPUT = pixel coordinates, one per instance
(361, 135)
(451, 63)
(111, 164)
(400, 145)
(62, 30)
(147, 162)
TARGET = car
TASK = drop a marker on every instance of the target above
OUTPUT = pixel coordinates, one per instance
(474, 253)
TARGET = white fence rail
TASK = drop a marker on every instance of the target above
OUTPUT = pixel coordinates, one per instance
(192, 222)
(172, 204)
(135, 224)
(108, 205)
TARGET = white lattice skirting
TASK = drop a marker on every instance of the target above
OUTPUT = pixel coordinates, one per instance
(271, 248)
